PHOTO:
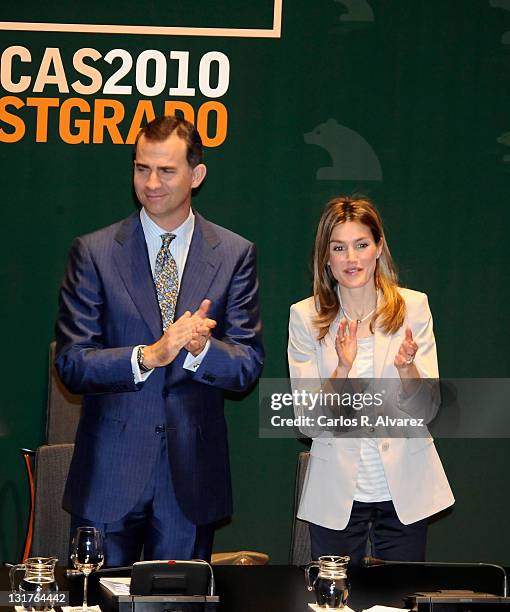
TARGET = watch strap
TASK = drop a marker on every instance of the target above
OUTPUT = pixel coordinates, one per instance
(139, 358)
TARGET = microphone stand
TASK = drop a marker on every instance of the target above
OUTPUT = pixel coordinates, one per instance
(373, 562)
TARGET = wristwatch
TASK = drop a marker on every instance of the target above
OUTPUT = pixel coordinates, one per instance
(139, 359)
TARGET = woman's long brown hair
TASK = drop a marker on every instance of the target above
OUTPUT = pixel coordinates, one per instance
(391, 308)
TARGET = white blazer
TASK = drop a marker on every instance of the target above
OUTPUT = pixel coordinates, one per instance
(416, 479)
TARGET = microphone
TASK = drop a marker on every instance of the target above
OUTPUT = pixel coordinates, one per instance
(374, 562)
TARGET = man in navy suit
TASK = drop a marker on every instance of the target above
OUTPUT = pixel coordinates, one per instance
(151, 467)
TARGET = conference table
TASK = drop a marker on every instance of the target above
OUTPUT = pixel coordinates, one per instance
(282, 588)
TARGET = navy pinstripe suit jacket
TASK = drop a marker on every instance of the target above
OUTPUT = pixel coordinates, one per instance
(107, 306)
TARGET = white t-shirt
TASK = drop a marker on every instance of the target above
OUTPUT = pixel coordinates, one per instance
(371, 485)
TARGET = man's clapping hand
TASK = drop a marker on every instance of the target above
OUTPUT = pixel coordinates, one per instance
(190, 330)
(196, 345)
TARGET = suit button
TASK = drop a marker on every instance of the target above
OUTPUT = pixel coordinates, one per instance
(385, 446)
(160, 429)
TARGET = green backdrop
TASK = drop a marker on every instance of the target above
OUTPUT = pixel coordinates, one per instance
(406, 101)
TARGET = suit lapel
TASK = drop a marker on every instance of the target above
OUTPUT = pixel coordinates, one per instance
(132, 261)
(201, 267)
(383, 345)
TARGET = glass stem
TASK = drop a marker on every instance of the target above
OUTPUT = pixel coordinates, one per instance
(85, 581)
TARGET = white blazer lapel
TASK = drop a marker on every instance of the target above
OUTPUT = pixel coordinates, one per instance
(383, 358)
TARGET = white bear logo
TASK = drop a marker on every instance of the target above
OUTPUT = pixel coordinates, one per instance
(504, 139)
(357, 10)
(353, 158)
(505, 5)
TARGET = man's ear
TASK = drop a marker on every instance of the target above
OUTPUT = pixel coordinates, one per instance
(198, 175)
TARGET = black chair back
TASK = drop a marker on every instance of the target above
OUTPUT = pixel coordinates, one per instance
(51, 522)
(300, 549)
(64, 408)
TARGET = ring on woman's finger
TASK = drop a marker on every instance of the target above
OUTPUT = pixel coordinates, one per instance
(409, 360)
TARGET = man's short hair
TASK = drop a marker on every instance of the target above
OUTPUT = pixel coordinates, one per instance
(161, 128)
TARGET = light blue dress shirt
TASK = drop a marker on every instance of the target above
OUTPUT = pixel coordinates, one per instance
(179, 247)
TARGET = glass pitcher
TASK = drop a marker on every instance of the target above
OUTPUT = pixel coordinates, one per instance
(330, 586)
(37, 588)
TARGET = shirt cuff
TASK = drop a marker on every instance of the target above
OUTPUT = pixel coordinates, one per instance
(138, 375)
(192, 363)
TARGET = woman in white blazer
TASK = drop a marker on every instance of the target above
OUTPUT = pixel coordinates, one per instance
(361, 324)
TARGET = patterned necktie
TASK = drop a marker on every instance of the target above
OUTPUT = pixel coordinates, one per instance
(166, 280)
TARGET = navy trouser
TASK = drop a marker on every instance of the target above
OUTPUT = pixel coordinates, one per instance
(156, 524)
(378, 523)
